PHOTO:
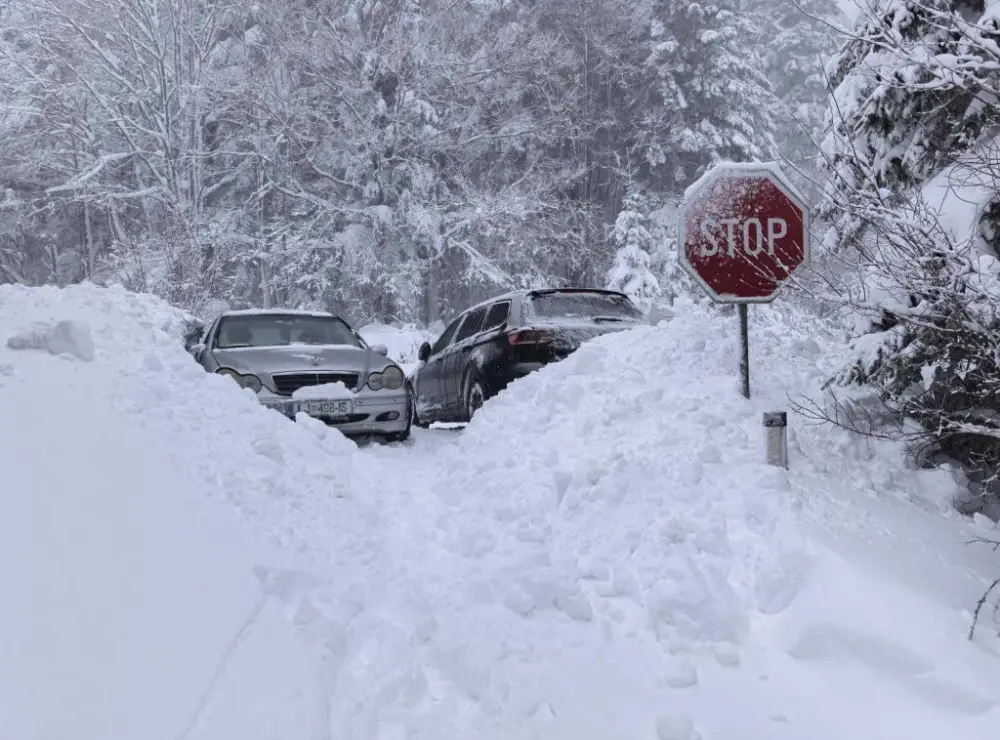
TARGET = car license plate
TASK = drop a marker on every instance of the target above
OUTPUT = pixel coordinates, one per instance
(327, 408)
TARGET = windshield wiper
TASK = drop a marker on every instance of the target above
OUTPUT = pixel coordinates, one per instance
(599, 319)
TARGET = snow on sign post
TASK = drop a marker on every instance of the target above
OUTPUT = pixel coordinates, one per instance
(744, 230)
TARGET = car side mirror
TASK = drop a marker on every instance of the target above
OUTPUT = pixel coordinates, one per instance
(197, 351)
(380, 349)
(424, 352)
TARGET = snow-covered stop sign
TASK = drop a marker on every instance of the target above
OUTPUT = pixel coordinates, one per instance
(744, 230)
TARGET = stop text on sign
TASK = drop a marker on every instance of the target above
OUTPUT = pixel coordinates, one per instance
(743, 230)
(752, 236)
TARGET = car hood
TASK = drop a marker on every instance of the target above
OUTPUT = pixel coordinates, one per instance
(300, 358)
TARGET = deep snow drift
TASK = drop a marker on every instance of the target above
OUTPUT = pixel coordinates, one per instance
(600, 554)
(132, 607)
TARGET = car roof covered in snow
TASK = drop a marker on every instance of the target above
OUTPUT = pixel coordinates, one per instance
(277, 312)
(540, 291)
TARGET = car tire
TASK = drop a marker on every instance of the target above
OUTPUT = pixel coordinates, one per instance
(414, 416)
(405, 434)
(473, 397)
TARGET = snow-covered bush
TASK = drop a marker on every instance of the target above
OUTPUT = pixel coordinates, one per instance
(630, 272)
(913, 184)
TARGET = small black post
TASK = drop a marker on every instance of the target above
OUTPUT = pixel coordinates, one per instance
(744, 351)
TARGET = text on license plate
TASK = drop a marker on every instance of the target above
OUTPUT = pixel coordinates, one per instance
(326, 408)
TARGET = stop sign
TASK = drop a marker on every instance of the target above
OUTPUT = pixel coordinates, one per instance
(743, 231)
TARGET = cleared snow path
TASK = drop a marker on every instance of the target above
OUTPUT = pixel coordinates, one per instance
(600, 554)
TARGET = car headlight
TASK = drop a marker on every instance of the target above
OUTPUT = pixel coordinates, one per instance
(250, 381)
(392, 378)
(244, 381)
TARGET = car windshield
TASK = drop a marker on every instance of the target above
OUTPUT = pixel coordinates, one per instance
(277, 330)
(583, 305)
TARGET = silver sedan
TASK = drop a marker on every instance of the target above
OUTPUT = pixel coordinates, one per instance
(313, 363)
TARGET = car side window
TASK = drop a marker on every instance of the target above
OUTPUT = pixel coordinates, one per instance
(497, 315)
(472, 325)
(445, 339)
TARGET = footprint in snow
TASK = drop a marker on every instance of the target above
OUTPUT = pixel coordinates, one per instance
(679, 673)
(676, 726)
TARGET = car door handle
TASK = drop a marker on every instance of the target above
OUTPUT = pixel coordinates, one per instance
(466, 349)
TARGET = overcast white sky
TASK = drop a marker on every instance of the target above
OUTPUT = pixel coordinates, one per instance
(850, 8)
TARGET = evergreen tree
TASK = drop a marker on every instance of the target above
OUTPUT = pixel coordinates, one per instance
(710, 83)
(630, 272)
(903, 109)
(798, 37)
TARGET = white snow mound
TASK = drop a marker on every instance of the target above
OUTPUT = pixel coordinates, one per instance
(636, 460)
(624, 544)
(127, 599)
(600, 554)
(133, 606)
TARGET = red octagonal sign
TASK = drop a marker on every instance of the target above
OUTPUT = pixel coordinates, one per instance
(743, 231)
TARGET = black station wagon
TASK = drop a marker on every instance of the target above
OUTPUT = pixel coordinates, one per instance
(494, 343)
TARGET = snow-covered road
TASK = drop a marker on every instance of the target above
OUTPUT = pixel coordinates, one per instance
(600, 554)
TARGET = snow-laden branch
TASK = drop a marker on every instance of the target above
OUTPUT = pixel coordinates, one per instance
(84, 178)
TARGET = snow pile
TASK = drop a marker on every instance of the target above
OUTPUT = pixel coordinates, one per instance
(323, 392)
(648, 481)
(132, 606)
(600, 554)
(616, 518)
(153, 426)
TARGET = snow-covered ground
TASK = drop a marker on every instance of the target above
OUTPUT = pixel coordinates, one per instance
(600, 554)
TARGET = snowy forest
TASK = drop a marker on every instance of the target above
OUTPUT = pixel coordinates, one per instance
(389, 160)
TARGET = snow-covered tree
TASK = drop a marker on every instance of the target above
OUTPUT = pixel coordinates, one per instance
(710, 84)
(799, 36)
(914, 176)
(391, 160)
(630, 272)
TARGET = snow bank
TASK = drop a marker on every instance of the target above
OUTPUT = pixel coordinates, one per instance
(615, 513)
(640, 467)
(599, 554)
(132, 606)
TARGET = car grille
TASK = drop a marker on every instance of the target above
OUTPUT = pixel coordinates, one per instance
(287, 383)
